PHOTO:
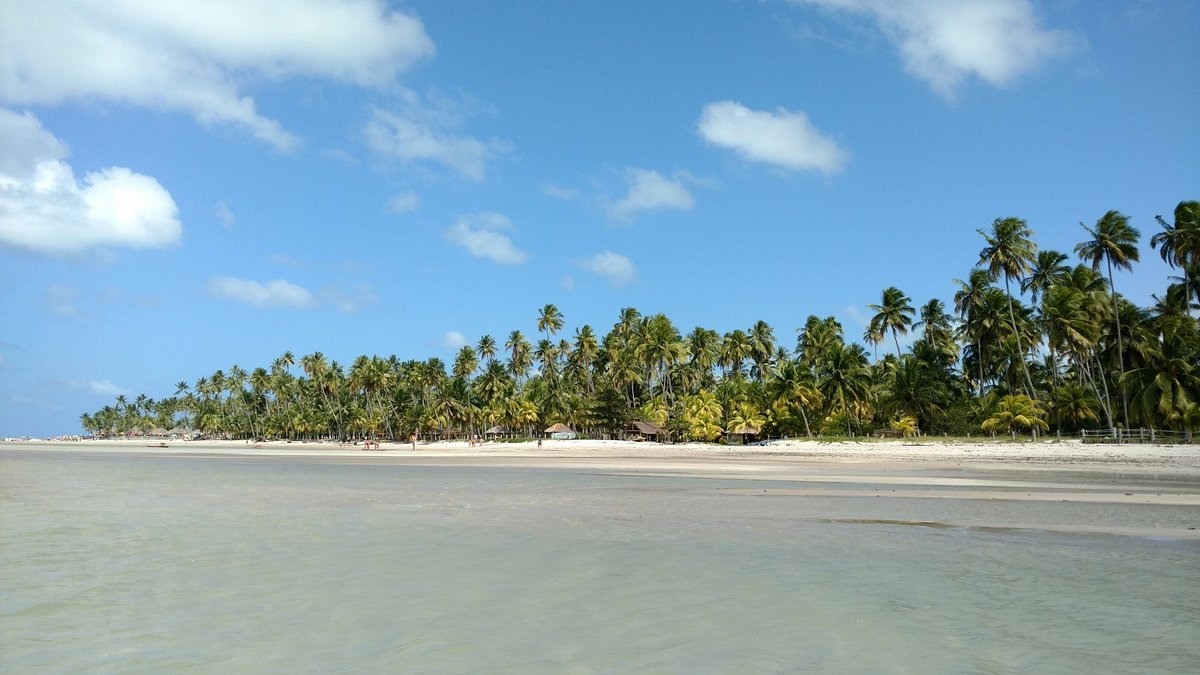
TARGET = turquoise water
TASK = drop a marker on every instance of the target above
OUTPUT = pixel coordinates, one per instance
(161, 564)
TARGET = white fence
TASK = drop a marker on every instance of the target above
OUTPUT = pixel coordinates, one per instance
(1118, 435)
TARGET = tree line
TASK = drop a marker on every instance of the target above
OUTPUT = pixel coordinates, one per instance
(1034, 341)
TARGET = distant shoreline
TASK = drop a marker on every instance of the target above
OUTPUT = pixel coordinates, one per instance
(1070, 455)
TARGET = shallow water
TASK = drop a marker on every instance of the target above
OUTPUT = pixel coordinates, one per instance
(161, 564)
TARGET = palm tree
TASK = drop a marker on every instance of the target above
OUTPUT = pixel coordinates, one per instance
(1049, 267)
(844, 378)
(486, 349)
(1015, 412)
(465, 363)
(1179, 243)
(762, 348)
(1114, 241)
(1010, 251)
(735, 347)
(893, 313)
(1075, 404)
(702, 415)
(968, 302)
(519, 360)
(550, 320)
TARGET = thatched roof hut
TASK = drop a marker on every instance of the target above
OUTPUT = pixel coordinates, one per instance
(645, 431)
(497, 432)
(560, 431)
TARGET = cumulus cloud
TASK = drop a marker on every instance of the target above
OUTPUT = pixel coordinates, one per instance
(278, 293)
(650, 191)
(194, 57)
(44, 208)
(615, 267)
(412, 136)
(404, 203)
(944, 42)
(481, 234)
(782, 138)
(454, 340)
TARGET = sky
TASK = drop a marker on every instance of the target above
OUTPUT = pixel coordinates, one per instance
(188, 186)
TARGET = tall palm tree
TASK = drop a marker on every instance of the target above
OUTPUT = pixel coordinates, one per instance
(762, 349)
(735, 347)
(519, 355)
(894, 312)
(844, 378)
(486, 349)
(465, 363)
(1179, 244)
(969, 299)
(1048, 268)
(1113, 241)
(550, 320)
(1010, 251)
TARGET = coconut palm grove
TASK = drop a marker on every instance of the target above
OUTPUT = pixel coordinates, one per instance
(1036, 341)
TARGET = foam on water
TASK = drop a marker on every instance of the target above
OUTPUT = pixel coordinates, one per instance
(169, 564)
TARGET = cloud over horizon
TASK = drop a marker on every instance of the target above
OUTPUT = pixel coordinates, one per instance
(782, 138)
(45, 209)
(944, 43)
(481, 235)
(278, 293)
(650, 191)
(616, 268)
(195, 58)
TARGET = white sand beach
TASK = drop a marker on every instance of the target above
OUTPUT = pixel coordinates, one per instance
(778, 457)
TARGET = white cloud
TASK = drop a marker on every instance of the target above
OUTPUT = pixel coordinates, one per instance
(480, 235)
(782, 138)
(194, 57)
(278, 293)
(417, 134)
(404, 203)
(223, 214)
(45, 209)
(559, 192)
(454, 340)
(615, 267)
(106, 388)
(943, 42)
(650, 191)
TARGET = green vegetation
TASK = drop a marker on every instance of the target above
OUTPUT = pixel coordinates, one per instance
(1066, 352)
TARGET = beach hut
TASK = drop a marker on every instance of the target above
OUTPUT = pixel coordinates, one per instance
(497, 432)
(560, 431)
(645, 431)
(744, 435)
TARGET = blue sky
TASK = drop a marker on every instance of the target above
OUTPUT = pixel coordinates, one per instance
(185, 189)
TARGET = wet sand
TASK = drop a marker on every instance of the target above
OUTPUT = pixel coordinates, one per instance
(1139, 490)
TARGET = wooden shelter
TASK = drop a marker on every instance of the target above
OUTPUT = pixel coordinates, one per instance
(745, 436)
(560, 431)
(645, 431)
(498, 432)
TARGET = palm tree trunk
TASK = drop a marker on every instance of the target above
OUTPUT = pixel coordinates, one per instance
(1120, 345)
(1106, 401)
(1021, 349)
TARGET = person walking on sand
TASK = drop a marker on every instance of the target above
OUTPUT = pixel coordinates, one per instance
(539, 444)
(413, 438)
